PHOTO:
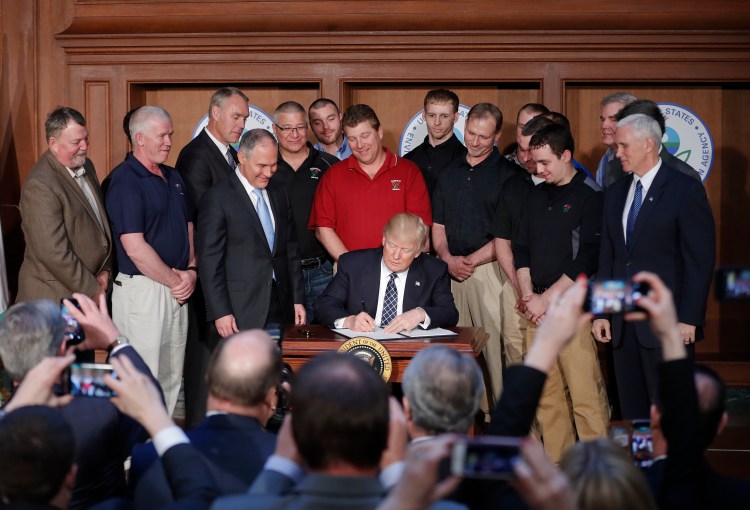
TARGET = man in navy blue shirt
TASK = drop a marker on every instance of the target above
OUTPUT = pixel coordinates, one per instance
(150, 214)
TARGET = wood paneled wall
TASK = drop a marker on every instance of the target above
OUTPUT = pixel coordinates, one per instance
(107, 56)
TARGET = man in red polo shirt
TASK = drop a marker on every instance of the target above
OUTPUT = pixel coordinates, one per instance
(357, 196)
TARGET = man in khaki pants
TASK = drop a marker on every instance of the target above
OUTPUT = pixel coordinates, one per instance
(558, 240)
(464, 202)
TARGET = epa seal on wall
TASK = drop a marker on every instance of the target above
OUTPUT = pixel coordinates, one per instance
(258, 119)
(687, 137)
(371, 352)
(416, 130)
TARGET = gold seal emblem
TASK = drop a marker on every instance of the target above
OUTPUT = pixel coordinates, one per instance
(371, 352)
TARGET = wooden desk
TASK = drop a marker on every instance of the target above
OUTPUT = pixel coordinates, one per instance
(298, 349)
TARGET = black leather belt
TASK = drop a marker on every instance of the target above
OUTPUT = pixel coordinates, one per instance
(312, 263)
(540, 290)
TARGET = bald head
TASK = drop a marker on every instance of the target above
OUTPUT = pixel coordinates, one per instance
(244, 368)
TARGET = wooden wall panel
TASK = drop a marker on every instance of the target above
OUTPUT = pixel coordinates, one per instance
(99, 121)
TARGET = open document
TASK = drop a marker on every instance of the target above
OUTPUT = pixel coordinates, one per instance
(378, 334)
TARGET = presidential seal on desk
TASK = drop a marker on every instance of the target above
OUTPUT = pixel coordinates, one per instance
(371, 352)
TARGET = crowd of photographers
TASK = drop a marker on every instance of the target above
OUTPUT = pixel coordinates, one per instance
(346, 443)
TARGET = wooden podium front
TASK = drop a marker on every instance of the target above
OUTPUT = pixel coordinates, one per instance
(298, 348)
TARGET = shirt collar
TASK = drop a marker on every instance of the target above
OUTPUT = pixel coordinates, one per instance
(78, 172)
(385, 272)
(222, 148)
(648, 177)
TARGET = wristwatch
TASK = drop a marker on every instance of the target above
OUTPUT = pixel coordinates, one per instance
(120, 340)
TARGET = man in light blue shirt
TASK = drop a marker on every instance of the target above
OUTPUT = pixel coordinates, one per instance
(325, 120)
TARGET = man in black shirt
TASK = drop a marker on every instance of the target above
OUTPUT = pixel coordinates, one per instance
(300, 167)
(441, 148)
(558, 239)
(505, 229)
(464, 202)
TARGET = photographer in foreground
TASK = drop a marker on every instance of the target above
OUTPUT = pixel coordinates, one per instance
(104, 437)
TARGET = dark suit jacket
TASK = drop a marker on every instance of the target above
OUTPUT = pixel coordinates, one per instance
(65, 245)
(236, 265)
(202, 165)
(189, 480)
(615, 171)
(357, 280)
(104, 439)
(235, 449)
(674, 237)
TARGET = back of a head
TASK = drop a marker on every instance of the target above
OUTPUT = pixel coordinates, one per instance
(29, 331)
(712, 396)
(535, 124)
(37, 450)
(559, 118)
(443, 388)
(645, 107)
(243, 368)
(603, 476)
(534, 109)
(340, 412)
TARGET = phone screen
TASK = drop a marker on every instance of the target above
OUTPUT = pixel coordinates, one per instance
(87, 380)
(487, 457)
(614, 296)
(642, 445)
(73, 331)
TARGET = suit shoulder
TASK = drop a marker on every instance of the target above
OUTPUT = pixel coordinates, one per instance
(592, 185)
(328, 159)
(358, 257)
(431, 263)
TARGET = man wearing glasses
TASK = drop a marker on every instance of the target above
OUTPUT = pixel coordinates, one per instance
(358, 196)
(300, 168)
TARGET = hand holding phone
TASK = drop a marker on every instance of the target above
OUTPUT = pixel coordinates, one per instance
(486, 457)
(87, 380)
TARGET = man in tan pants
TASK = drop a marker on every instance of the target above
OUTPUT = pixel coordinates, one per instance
(463, 205)
(558, 240)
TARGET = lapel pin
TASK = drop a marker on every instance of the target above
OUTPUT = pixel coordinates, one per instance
(417, 284)
(650, 199)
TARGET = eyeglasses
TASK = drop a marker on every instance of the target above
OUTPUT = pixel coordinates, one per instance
(302, 128)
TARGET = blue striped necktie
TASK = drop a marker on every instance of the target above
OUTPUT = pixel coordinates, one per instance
(635, 208)
(390, 301)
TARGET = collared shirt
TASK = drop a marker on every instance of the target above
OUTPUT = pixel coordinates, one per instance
(249, 190)
(342, 152)
(300, 187)
(357, 206)
(646, 181)
(560, 230)
(433, 161)
(400, 282)
(601, 171)
(139, 201)
(222, 148)
(465, 201)
(510, 207)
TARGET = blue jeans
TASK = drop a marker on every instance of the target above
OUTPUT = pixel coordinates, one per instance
(316, 281)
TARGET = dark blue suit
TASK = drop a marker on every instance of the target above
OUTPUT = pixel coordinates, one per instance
(358, 281)
(235, 449)
(675, 238)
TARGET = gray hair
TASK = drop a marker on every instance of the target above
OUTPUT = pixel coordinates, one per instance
(408, 223)
(220, 97)
(29, 332)
(643, 127)
(143, 115)
(252, 138)
(443, 388)
(618, 97)
(289, 107)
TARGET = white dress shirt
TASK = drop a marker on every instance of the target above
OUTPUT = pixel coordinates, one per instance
(249, 189)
